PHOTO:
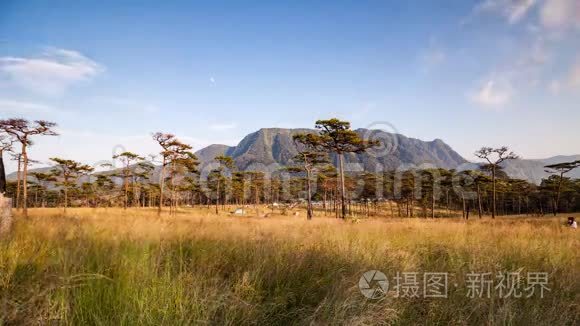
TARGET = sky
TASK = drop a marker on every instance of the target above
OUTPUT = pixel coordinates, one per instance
(472, 73)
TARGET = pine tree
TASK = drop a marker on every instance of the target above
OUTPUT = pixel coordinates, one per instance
(128, 159)
(69, 171)
(22, 130)
(307, 161)
(5, 146)
(561, 169)
(335, 136)
(43, 180)
(173, 151)
(494, 157)
(217, 176)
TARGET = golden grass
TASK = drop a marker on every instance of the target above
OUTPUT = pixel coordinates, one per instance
(110, 266)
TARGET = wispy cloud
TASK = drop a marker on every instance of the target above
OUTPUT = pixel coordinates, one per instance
(512, 10)
(493, 93)
(568, 82)
(432, 56)
(21, 107)
(560, 14)
(551, 24)
(555, 87)
(574, 78)
(553, 14)
(50, 73)
(223, 126)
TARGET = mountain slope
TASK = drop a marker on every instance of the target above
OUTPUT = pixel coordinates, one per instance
(13, 177)
(559, 159)
(534, 170)
(269, 148)
(210, 152)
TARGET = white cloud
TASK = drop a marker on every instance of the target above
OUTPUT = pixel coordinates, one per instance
(555, 87)
(512, 10)
(556, 23)
(432, 58)
(569, 82)
(574, 77)
(535, 55)
(560, 14)
(223, 126)
(51, 73)
(494, 92)
(531, 64)
(20, 107)
(553, 14)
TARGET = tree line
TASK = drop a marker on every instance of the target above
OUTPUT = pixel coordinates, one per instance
(172, 179)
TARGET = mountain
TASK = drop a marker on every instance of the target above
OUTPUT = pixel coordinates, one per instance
(208, 153)
(12, 176)
(271, 148)
(154, 174)
(560, 159)
(532, 170)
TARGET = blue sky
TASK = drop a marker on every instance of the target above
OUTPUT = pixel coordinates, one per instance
(473, 73)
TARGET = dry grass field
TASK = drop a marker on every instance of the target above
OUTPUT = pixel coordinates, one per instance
(115, 267)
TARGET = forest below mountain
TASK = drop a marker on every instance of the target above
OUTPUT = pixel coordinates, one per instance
(332, 165)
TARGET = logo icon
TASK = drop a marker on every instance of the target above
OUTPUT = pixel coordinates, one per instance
(387, 136)
(373, 284)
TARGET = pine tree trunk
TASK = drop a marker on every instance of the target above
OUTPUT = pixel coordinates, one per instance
(126, 186)
(342, 186)
(161, 185)
(433, 203)
(217, 196)
(24, 180)
(464, 208)
(448, 208)
(65, 197)
(324, 201)
(557, 202)
(309, 194)
(479, 210)
(2, 174)
(493, 210)
(18, 182)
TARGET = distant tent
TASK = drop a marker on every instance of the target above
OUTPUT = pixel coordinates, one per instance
(239, 211)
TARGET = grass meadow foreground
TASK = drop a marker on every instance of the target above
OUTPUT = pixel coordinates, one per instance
(115, 267)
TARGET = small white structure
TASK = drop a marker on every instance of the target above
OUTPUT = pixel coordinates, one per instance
(239, 212)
